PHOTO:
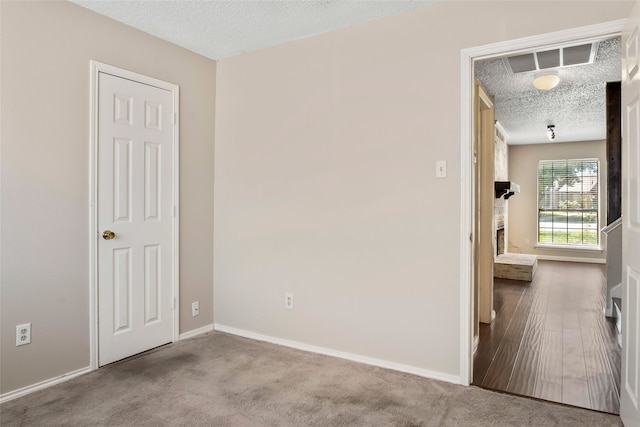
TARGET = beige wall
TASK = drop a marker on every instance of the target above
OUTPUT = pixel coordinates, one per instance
(46, 48)
(325, 179)
(325, 159)
(523, 207)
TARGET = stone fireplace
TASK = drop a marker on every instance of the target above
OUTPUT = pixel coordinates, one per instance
(499, 218)
(506, 265)
(500, 241)
(500, 202)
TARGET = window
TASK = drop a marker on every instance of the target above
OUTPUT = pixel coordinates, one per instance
(568, 200)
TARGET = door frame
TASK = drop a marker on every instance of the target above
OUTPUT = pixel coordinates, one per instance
(467, 58)
(95, 69)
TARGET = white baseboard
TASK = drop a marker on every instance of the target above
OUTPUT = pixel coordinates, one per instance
(65, 377)
(43, 384)
(196, 332)
(340, 354)
(572, 259)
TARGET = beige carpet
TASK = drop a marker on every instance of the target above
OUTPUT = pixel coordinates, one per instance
(222, 380)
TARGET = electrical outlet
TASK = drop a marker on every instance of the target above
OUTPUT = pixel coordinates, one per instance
(288, 300)
(195, 309)
(23, 334)
(526, 241)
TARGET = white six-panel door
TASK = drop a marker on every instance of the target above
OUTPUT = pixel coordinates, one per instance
(630, 381)
(135, 204)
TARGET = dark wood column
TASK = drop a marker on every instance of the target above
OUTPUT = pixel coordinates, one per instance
(614, 149)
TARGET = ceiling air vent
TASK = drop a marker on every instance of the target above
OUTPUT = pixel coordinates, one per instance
(554, 58)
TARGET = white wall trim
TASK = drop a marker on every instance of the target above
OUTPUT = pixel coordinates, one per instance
(502, 130)
(95, 69)
(549, 40)
(467, 57)
(572, 259)
(195, 332)
(466, 218)
(609, 228)
(339, 354)
(577, 249)
(70, 375)
(93, 216)
(43, 384)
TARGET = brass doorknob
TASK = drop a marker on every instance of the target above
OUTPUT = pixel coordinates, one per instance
(108, 235)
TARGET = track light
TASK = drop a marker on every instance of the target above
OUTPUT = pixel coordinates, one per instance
(551, 132)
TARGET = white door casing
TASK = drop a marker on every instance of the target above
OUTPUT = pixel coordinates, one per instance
(467, 57)
(630, 378)
(136, 194)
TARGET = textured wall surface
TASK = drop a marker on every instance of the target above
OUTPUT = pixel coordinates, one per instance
(501, 205)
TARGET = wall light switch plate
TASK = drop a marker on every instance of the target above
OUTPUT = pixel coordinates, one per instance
(441, 169)
(195, 309)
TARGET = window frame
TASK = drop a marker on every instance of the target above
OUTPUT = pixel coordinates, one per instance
(570, 245)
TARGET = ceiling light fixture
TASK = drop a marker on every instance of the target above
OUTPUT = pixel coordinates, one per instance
(551, 132)
(546, 81)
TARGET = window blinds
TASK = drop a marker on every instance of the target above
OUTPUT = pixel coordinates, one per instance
(568, 200)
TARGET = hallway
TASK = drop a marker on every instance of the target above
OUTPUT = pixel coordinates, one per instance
(550, 339)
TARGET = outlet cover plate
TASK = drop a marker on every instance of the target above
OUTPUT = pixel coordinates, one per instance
(23, 334)
(288, 300)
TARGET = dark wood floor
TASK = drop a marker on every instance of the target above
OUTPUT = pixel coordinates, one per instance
(550, 339)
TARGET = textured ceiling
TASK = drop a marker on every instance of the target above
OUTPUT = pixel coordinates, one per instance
(222, 28)
(577, 106)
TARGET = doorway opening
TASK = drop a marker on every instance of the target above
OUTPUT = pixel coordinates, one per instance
(587, 34)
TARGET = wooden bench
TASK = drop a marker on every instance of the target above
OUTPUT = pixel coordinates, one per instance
(515, 266)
